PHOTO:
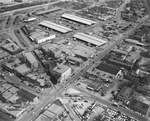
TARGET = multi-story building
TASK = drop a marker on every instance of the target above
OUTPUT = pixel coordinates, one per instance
(31, 60)
(124, 94)
(63, 71)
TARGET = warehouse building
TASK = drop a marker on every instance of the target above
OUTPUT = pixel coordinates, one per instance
(63, 71)
(44, 39)
(89, 39)
(55, 27)
(78, 19)
(41, 36)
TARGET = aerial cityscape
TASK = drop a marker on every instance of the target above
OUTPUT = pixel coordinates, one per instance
(74, 60)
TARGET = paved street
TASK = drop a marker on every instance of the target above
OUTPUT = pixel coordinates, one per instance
(49, 98)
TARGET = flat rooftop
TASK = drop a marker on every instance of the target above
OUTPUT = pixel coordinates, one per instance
(5, 87)
(49, 114)
(78, 19)
(90, 39)
(139, 106)
(12, 48)
(55, 26)
(61, 68)
(109, 68)
(74, 58)
(22, 69)
(43, 118)
(55, 109)
(25, 94)
(30, 57)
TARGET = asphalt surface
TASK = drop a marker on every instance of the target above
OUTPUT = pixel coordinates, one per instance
(51, 97)
(48, 100)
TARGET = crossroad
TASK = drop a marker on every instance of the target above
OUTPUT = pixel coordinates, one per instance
(47, 99)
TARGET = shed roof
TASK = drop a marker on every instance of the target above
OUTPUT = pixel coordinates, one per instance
(55, 26)
(90, 39)
(78, 19)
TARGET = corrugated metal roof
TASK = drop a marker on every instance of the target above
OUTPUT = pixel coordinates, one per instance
(90, 39)
(78, 19)
(40, 40)
(55, 26)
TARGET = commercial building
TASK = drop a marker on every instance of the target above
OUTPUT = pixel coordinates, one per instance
(5, 87)
(31, 60)
(55, 27)
(132, 41)
(55, 52)
(3, 54)
(63, 71)
(120, 62)
(14, 112)
(89, 39)
(85, 50)
(55, 109)
(52, 112)
(27, 96)
(80, 54)
(37, 34)
(44, 39)
(124, 94)
(12, 48)
(78, 19)
(22, 69)
(138, 106)
(74, 60)
(10, 92)
(41, 36)
(109, 69)
(47, 47)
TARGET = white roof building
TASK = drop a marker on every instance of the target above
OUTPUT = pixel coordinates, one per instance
(38, 41)
(55, 26)
(31, 59)
(78, 19)
(90, 39)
